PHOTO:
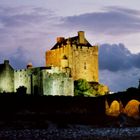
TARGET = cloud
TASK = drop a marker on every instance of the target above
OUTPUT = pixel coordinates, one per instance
(117, 58)
(119, 68)
(120, 80)
(16, 16)
(111, 21)
(35, 28)
(31, 28)
(19, 58)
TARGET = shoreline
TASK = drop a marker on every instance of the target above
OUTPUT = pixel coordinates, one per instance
(75, 132)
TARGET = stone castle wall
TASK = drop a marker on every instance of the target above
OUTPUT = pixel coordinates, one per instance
(29, 78)
(21, 78)
(57, 84)
(44, 82)
(85, 63)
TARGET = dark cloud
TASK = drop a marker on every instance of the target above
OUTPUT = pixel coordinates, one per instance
(117, 58)
(27, 26)
(19, 58)
(22, 16)
(120, 80)
(113, 20)
(119, 68)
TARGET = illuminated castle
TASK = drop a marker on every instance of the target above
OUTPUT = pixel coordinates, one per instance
(75, 56)
(69, 60)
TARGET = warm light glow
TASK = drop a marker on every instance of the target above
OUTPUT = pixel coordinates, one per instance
(132, 109)
(114, 109)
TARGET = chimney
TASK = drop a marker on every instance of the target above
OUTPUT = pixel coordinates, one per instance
(81, 36)
(29, 66)
(6, 62)
(60, 39)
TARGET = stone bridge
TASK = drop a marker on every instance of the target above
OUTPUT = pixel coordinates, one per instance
(123, 103)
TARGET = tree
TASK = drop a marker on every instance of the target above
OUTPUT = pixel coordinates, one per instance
(83, 88)
(21, 90)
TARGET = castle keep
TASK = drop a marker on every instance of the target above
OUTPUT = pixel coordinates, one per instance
(75, 56)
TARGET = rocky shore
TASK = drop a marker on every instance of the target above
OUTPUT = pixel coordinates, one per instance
(76, 132)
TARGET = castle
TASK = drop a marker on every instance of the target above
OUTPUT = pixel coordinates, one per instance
(69, 59)
(76, 56)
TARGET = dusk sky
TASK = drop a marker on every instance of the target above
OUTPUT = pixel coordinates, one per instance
(29, 27)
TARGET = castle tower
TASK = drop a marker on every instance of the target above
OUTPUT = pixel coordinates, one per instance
(76, 56)
(6, 77)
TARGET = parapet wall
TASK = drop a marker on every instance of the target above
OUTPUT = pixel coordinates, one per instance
(44, 82)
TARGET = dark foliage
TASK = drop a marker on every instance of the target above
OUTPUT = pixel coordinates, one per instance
(21, 90)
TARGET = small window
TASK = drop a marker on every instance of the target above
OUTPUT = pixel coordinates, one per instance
(64, 57)
(85, 67)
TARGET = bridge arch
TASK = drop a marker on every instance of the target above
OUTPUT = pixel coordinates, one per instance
(132, 108)
(114, 109)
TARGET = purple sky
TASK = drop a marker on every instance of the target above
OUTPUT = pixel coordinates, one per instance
(28, 28)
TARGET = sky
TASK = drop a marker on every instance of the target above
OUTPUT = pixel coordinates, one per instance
(28, 28)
